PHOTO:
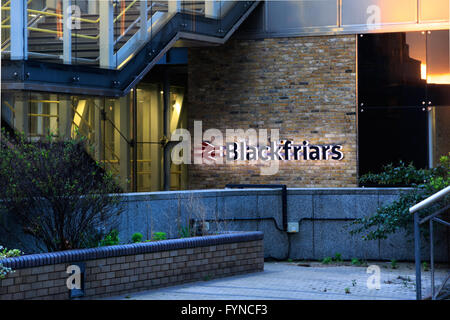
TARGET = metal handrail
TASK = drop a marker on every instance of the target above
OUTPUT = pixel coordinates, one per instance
(58, 15)
(133, 24)
(43, 115)
(417, 251)
(428, 201)
(10, 107)
(56, 32)
(124, 11)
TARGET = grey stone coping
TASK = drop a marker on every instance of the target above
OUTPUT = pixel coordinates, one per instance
(207, 193)
(42, 259)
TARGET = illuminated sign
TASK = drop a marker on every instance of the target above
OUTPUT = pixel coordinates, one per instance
(284, 150)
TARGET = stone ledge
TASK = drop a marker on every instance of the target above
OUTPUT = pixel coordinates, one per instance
(42, 259)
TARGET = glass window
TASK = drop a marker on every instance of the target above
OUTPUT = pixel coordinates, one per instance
(441, 133)
(438, 68)
(107, 123)
(149, 135)
(403, 97)
(391, 69)
(388, 135)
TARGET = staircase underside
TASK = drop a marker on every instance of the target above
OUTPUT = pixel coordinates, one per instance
(84, 79)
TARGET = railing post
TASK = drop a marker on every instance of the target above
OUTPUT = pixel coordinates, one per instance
(174, 6)
(212, 8)
(143, 22)
(106, 34)
(417, 255)
(67, 32)
(19, 32)
(432, 258)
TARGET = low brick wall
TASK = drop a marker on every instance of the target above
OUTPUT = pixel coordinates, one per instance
(123, 269)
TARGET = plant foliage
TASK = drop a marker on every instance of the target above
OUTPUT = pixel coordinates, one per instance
(56, 191)
(396, 216)
(5, 253)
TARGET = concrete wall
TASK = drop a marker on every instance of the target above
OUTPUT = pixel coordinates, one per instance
(303, 86)
(322, 214)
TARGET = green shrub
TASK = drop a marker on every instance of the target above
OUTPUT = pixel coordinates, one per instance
(158, 236)
(136, 237)
(56, 191)
(5, 253)
(110, 239)
(396, 216)
(394, 264)
(400, 175)
(338, 257)
(185, 232)
(327, 260)
(356, 262)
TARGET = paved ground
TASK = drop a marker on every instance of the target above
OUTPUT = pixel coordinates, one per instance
(294, 280)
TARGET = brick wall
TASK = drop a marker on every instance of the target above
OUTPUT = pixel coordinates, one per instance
(304, 86)
(137, 272)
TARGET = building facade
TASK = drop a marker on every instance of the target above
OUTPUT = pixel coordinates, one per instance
(371, 77)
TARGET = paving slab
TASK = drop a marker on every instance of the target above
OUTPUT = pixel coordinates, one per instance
(300, 281)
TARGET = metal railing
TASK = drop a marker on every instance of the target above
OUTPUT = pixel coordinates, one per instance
(430, 219)
(105, 47)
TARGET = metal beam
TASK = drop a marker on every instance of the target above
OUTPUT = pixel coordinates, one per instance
(79, 79)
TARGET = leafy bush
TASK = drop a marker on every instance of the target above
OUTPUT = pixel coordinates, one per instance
(356, 262)
(56, 191)
(136, 237)
(327, 260)
(158, 236)
(338, 257)
(401, 175)
(394, 264)
(396, 216)
(186, 232)
(110, 239)
(5, 253)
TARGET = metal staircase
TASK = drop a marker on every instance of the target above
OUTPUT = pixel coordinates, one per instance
(107, 46)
